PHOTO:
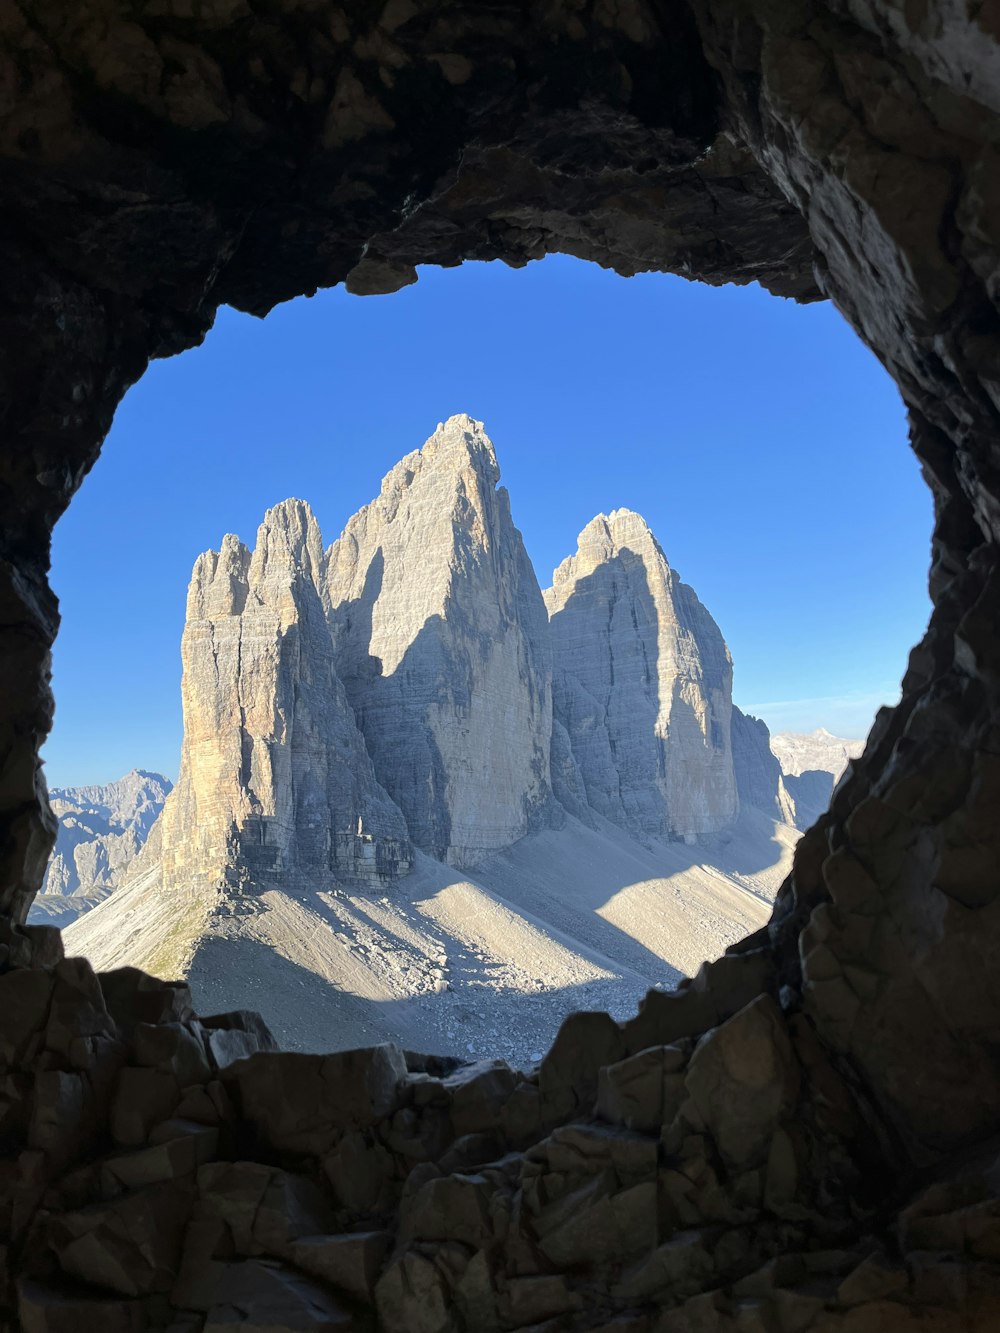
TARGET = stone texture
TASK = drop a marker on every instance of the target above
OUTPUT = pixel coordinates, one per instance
(275, 784)
(161, 160)
(331, 1192)
(759, 776)
(440, 637)
(642, 684)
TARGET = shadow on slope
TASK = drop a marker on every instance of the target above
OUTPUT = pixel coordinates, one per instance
(646, 906)
(309, 1012)
(453, 963)
(473, 965)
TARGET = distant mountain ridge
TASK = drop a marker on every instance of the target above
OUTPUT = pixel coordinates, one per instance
(101, 830)
(812, 763)
(814, 751)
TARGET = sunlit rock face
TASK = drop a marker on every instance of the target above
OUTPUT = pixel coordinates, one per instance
(439, 630)
(101, 828)
(642, 684)
(275, 782)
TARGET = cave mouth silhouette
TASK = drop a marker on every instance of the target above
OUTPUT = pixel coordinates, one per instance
(804, 1136)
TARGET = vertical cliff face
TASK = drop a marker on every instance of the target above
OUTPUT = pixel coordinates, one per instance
(275, 782)
(642, 683)
(759, 779)
(440, 635)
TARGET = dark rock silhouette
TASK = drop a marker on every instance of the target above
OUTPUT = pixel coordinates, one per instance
(803, 1137)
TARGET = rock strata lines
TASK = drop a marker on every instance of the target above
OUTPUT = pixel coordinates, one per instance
(275, 781)
(642, 684)
(441, 640)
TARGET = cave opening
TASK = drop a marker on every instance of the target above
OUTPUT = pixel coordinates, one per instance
(776, 436)
(802, 1137)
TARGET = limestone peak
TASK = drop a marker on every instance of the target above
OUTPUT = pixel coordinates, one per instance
(219, 580)
(642, 684)
(440, 635)
(288, 539)
(623, 527)
(605, 536)
(462, 441)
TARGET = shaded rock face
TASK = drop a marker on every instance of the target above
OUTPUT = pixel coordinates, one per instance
(158, 164)
(790, 775)
(440, 637)
(759, 778)
(101, 829)
(275, 782)
(642, 684)
(809, 794)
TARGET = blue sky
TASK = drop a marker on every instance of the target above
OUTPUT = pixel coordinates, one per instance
(764, 444)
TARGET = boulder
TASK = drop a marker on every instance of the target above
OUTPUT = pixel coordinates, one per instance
(305, 1103)
(743, 1079)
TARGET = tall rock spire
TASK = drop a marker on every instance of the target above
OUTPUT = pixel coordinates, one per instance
(642, 683)
(441, 640)
(274, 775)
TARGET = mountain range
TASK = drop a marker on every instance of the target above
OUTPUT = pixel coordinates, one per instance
(399, 752)
(100, 832)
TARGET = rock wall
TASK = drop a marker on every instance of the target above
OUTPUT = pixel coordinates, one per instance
(440, 636)
(829, 1163)
(275, 782)
(180, 1173)
(759, 778)
(642, 684)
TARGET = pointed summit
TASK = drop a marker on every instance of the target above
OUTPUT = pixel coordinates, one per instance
(440, 636)
(642, 684)
(274, 774)
(218, 584)
(461, 436)
(289, 547)
(604, 538)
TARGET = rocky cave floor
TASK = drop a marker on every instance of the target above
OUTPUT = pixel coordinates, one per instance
(176, 1173)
